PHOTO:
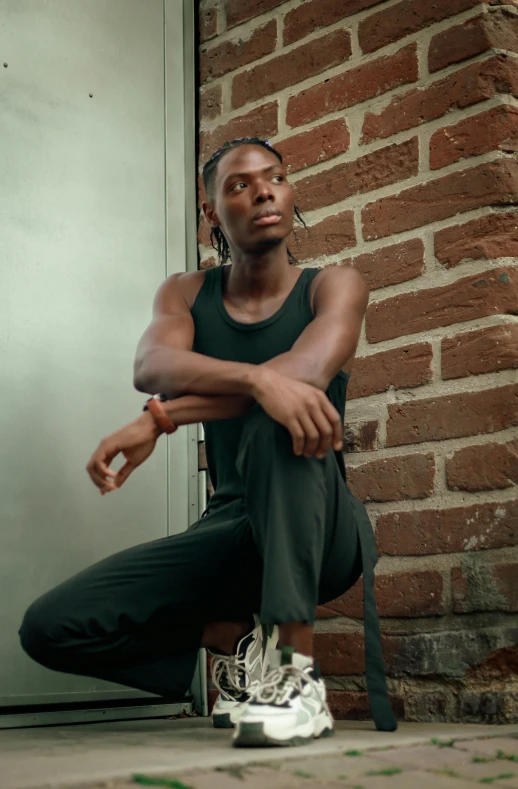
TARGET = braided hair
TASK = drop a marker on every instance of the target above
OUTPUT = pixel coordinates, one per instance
(217, 238)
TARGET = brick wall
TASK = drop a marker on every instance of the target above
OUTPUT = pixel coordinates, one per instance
(400, 126)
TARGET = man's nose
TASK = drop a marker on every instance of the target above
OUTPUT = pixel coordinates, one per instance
(263, 192)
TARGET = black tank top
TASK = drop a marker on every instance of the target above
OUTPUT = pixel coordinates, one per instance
(217, 334)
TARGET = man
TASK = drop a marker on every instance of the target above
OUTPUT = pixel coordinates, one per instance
(261, 352)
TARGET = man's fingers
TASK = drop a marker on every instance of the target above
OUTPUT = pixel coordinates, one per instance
(297, 434)
(124, 473)
(325, 430)
(312, 435)
(336, 423)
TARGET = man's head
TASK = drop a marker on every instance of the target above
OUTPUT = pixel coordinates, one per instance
(249, 200)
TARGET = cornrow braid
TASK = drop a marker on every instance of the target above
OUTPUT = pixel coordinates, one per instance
(217, 238)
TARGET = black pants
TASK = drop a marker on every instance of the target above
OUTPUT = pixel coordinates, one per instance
(295, 539)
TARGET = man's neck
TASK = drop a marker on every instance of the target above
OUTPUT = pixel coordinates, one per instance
(260, 276)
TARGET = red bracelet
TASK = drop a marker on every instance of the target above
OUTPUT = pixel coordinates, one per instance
(160, 415)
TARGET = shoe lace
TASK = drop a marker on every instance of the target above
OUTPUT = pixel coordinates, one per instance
(230, 676)
(280, 683)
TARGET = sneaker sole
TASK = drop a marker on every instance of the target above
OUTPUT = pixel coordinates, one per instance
(222, 721)
(251, 735)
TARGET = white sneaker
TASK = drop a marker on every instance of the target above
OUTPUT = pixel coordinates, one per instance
(288, 707)
(234, 676)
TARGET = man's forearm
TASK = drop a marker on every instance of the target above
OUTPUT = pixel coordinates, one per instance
(178, 373)
(191, 409)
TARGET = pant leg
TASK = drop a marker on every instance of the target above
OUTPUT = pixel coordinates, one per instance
(137, 617)
(315, 538)
(301, 519)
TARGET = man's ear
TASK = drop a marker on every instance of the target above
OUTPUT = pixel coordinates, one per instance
(210, 213)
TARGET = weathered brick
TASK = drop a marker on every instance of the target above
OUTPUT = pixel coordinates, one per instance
(202, 457)
(493, 292)
(478, 586)
(241, 10)
(329, 236)
(390, 265)
(495, 30)
(447, 654)
(494, 130)
(261, 122)
(353, 86)
(361, 436)
(210, 103)
(312, 15)
(409, 16)
(208, 22)
(340, 653)
(204, 233)
(393, 479)
(491, 183)
(291, 67)
(500, 663)
(316, 145)
(372, 171)
(399, 595)
(452, 416)
(208, 263)
(491, 236)
(474, 528)
(349, 705)
(488, 707)
(481, 351)
(483, 467)
(474, 83)
(230, 55)
(426, 706)
(400, 367)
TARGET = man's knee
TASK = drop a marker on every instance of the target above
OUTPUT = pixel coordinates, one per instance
(39, 633)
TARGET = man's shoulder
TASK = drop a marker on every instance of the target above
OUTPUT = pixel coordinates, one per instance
(186, 283)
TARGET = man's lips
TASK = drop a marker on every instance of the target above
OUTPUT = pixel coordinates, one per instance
(268, 219)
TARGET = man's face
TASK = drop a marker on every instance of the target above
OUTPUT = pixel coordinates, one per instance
(253, 201)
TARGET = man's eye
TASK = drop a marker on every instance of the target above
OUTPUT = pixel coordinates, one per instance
(234, 187)
(281, 177)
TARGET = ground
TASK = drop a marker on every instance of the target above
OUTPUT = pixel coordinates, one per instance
(189, 754)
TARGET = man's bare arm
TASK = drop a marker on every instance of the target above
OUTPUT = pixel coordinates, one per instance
(166, 363)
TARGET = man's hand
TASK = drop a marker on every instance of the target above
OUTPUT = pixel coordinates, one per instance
(135, 440)
(314, 423)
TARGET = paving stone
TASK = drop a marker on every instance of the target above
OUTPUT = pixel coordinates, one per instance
(427, 757)
(241, 777)
(322, 768)
(488, 746)
(410, 779)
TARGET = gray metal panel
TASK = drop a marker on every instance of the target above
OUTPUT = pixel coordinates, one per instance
(82, 221)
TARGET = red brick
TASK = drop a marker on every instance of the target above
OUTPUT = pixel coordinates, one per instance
(393, 479)
(484, 587)
(210, 103)
(316, 145)
(482, 351)
(204, 232)
(241, 10)
(452, 416)
(407, 17)
(474, 83)
(208, 23)
(495, 30)
(261, 122)
(361, 436)
(329, 236)
(483, 467)
(291, 67)
(315, 14)
(495, 130)
(230, 55)
(401, 368)
(491, 183)
(487, 237)
(399, 595)
(340, 653)
(354, 705)
(372, 171)
(353, 86)
(490, 293)
(390, 265)
(474, 528)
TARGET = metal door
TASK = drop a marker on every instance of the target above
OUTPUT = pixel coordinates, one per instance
(96, 125)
